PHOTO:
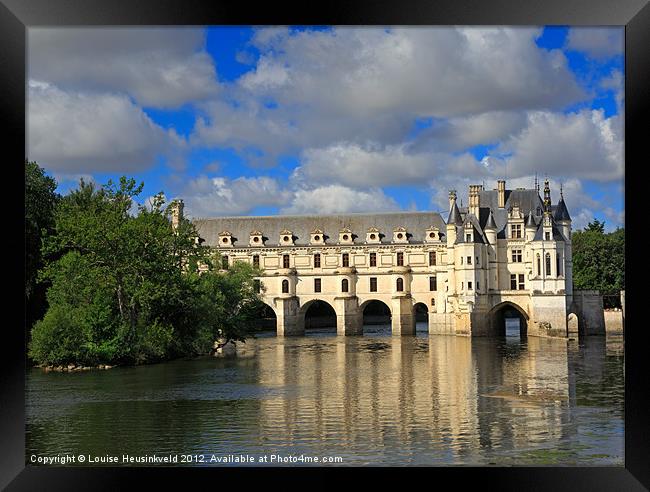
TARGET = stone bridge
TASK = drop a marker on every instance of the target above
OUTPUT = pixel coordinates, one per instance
(482, 320)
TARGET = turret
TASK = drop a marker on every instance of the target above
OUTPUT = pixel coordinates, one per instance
(453, 220)
(562, 217)
(531, 227)
(491, 229)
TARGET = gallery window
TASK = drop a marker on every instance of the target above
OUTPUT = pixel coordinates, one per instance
(285, 286)
(432, 258)
(256, 261)
(285, 261)
(224, 262)
(373, 284)
(316, 285)
(346, 260)
(317, 260)
(433, 283)
(400, 259)
(344, 285)
(373, 259)
(400, 285)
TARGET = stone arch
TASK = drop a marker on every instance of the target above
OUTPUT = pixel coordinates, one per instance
(375, 312)
(318, 313)
(498, 314)
(421, 314)
(573, 324)
(267, 318)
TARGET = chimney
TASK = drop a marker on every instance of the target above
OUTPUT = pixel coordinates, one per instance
(452, 199)
(474, 204)
(501, 193)
(177, 212)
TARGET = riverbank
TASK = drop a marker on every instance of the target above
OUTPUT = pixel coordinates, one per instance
(74, 368)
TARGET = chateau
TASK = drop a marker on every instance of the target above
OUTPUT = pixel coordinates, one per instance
(508, 253)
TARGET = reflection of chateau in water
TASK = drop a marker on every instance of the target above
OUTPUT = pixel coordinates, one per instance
(441, 393)
(374, 399)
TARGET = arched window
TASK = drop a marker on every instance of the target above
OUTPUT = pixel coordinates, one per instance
(548, 264)
(344, 285)
(400, 285)
(539, 265)
(285, 286)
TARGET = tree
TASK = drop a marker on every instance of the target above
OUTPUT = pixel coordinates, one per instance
(40, 200)
(599, 260)
(132, 288)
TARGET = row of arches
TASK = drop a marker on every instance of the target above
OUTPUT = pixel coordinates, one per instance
(506, 320)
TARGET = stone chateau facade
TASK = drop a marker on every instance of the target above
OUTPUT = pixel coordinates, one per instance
(508, 251)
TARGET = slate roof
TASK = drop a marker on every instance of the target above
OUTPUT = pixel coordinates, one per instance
(415, 223)
(557, 234)
(561, 212)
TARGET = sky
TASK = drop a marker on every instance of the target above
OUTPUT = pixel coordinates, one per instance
(301, 120)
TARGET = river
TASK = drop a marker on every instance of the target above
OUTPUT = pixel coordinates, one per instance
(369, 400)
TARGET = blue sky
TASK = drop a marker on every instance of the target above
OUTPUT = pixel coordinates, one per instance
(242, 121)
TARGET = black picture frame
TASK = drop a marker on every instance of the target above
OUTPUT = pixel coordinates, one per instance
(17, 15)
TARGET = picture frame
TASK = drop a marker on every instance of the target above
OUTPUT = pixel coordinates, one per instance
(16, 16)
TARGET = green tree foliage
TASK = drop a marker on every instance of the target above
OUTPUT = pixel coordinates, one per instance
(128, 288)
(40, 200)
(599, 259)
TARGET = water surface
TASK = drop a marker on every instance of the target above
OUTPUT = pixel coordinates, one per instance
(370, 400)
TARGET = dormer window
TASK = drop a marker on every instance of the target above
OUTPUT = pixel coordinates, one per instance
(286, 237)
(225, 239)
(373, 236)
(345, 236)
(317, 236)
(256, 238)
(400, 235)
(432, 234)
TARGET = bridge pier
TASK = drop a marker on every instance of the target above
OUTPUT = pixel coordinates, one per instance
(349, 318)
(289, 323)
(402, 315)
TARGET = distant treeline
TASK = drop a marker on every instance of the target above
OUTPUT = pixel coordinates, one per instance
(108, 282)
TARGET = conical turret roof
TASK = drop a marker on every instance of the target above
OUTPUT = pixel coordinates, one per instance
(454, 216)
(561, 212)
(530, 222)
(490, 224)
